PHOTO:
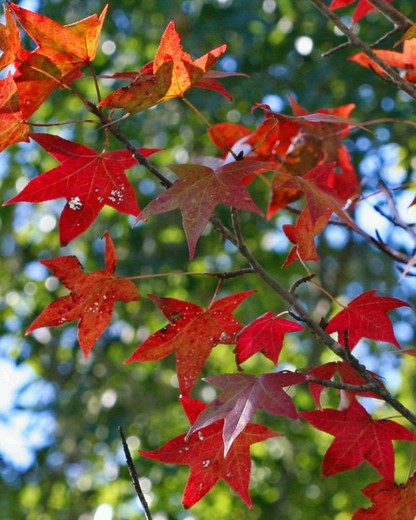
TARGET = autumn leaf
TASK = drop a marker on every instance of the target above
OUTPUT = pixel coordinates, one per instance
(92, 297)
(200, 189)
(169, 75)
(320, 196)
(362, 9)
(346, 374)
(203, 452)
(265, 334)
(87, 179)
(62, 51)
(191, 334)
(390, 501)
(302, 234)
(242, 395)
(9, 39)
(318, 141)
(73, 42)
(13, 127)
(366, 317)
(405, 60)
(358, 438)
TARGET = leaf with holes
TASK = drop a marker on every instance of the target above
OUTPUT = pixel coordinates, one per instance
(191, 334)
(203, 452)
(92, 297)
(87, 179)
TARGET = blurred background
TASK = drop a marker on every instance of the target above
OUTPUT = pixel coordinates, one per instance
(60, 454)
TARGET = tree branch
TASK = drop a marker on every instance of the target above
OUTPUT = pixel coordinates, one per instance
(134, 475)
(394, 77)
(389, 11)
(341, 386)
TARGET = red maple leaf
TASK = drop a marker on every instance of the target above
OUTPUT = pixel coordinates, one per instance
(169, 75)
(242, 395)
(265, 334)
(203, 452)
(92, 297)
(200, 189)
(358, 438)
(321, 201)
(346, 374)
(191, 334)
(87, 179)
(318, 140)
(363, 7)
(390, 501)
(366, 317)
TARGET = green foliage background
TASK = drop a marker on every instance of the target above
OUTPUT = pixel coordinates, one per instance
(79, 464)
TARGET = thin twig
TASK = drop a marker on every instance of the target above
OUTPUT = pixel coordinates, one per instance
(394, 77)
(221, 275)
(394, 15)
(346, 44)
(299, 282)
(134, 475)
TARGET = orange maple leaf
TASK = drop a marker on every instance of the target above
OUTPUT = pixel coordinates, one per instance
(169, 75)
(13, 128)
(405, 60)
(9, 39)
(73, 42)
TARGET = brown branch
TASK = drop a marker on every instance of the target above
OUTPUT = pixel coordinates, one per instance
(392, 75)
(394, 15)
(342, 386)
(348, 43)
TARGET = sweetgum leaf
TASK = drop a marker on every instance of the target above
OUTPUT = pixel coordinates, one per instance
(169, 75)
(265, 334)
(203, 452)
(87, 179)
(390, 501)
(242, 395)
(75, 42)
(13, 127)
(358, 438)
(92, 297)
(200, 189)
(9, 39)
(366, 317)
(191, 334)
